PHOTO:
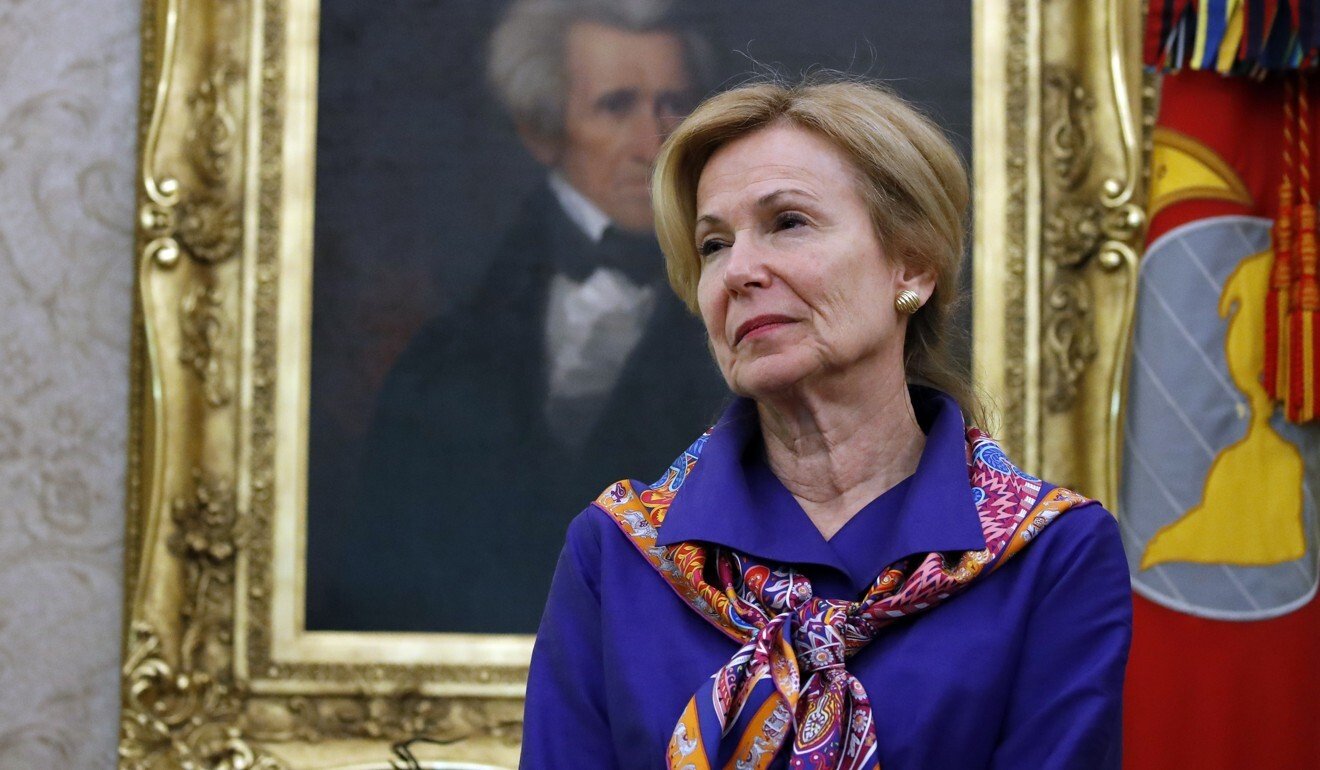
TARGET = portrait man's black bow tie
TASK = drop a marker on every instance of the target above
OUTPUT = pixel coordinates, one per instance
(636, 256)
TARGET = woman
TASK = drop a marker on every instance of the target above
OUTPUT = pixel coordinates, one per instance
(778, 598)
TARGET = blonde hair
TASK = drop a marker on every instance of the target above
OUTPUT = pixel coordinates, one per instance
(913, 181)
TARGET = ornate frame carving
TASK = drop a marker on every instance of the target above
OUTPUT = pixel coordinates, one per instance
(218, 671)
(1060, 173)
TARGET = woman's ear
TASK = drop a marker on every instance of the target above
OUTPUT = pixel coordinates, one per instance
(916, 277)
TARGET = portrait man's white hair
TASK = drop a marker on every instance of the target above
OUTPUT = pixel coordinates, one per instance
(526, 66)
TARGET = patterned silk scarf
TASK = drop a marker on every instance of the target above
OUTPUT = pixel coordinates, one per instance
(791, 676)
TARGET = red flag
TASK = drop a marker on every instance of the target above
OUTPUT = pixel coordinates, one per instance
(1218, 516)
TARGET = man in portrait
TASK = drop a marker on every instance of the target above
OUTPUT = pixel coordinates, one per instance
(571, 366)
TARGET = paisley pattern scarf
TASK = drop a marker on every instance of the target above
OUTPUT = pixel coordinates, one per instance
(790, 675)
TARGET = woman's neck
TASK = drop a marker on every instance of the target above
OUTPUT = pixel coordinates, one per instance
(837, 449)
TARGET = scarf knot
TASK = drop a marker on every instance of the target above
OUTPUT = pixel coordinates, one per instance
(819, 638)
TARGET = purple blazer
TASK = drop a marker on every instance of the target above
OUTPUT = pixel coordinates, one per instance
(1024, 669)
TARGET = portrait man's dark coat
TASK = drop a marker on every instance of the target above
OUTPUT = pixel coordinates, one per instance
(467, 490)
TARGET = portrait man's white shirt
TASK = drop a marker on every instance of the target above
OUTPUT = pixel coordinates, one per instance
(591, 327)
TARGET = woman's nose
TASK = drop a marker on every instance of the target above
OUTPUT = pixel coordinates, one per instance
(745, 267)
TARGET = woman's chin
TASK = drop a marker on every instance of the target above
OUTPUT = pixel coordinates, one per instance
(765, 378)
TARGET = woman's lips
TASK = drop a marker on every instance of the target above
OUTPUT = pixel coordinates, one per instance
(753, 326)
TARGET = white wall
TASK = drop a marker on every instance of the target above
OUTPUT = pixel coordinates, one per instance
(68, 91)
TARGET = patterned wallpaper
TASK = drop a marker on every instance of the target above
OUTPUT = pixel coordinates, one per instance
(68, 90)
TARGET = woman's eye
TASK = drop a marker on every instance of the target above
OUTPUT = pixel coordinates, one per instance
(789, 221)
(709, 247)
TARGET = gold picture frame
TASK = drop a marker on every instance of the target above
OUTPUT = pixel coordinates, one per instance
(218, 670)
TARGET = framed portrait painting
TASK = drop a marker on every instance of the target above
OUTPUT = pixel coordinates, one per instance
(401, 315)
(500, 344)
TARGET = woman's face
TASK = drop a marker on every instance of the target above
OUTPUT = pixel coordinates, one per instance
(795, 286)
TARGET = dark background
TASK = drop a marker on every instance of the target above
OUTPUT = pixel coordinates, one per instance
(418, 173)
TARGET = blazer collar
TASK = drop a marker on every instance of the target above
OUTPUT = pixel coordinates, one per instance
(732, 498)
